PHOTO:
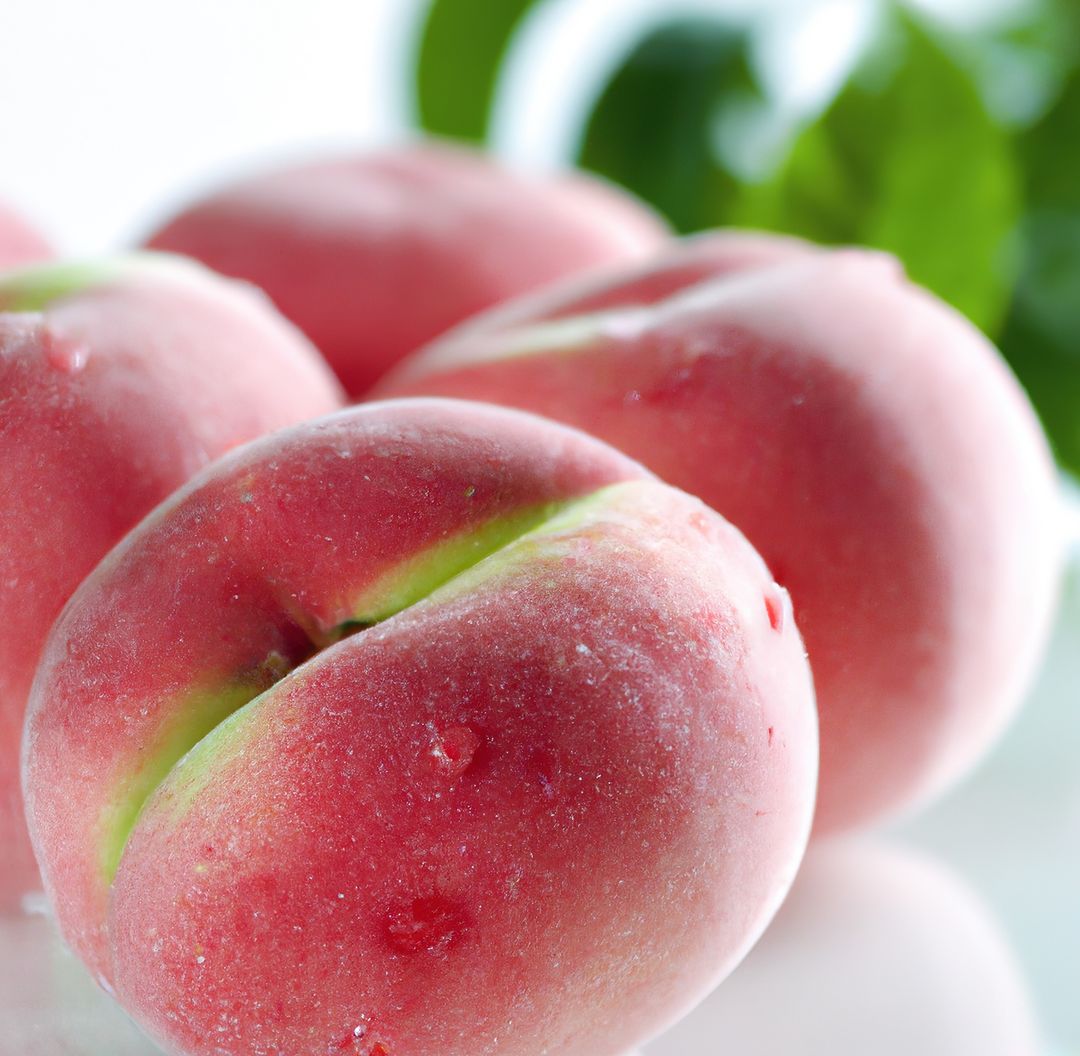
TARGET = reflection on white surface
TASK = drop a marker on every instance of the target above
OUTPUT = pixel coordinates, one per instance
(878, 950)
(49, 1004)
(1013, 829)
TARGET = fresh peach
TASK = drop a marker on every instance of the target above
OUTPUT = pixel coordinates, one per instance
(427, 728)
(869, 442)
(117, 382)
(373, 256)
(19, 242)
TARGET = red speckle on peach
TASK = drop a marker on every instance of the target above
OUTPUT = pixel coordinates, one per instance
(429, 924)
(453, 750)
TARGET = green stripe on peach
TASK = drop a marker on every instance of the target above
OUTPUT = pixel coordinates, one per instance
(193, 718)
(420, 575)
(563, 336)
(571, 518)
(463, 562)
(204, 720)
(35, 288)
(199, 766)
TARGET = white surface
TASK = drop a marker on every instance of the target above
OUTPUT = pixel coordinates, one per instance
(877, 950)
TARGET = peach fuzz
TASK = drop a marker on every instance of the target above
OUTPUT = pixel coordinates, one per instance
(426, 728)
(869, 442)
(375, 255)
(119, 380)
(19, 242)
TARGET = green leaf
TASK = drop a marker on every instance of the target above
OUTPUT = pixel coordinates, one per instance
(1042, 334)
(1021, 62)
(905, 159)
(458, 60)
(654, 128)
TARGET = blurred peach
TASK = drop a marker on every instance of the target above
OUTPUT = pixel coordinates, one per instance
(878, 950)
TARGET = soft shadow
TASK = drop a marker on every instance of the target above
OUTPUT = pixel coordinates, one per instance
(878, 950)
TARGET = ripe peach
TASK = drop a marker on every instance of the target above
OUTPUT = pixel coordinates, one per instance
(19, 243)
(544, 796)
(117, 382)
(372, 256)
(869, 442)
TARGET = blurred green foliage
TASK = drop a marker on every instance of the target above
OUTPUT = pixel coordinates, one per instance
(960, 155)
(460, 52)
(906, 159)
(1041, 338)
(652, 128)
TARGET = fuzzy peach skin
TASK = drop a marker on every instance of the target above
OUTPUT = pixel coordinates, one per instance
(375, 255)
(541, 799)
(118, 381)
(869, 442)
(19, 242)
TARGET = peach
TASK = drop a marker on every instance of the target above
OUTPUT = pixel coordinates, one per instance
(878, 949)
(691, 260)
(373, 256)
(869, 442)
(426, 728)
(19, 242)
(119, 380)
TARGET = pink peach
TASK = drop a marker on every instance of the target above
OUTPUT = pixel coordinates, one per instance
(119, 380)
(373, 256)
(426, 728)
(866, 438)
(19, 242)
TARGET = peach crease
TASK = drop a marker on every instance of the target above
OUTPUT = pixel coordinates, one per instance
(206, 716)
